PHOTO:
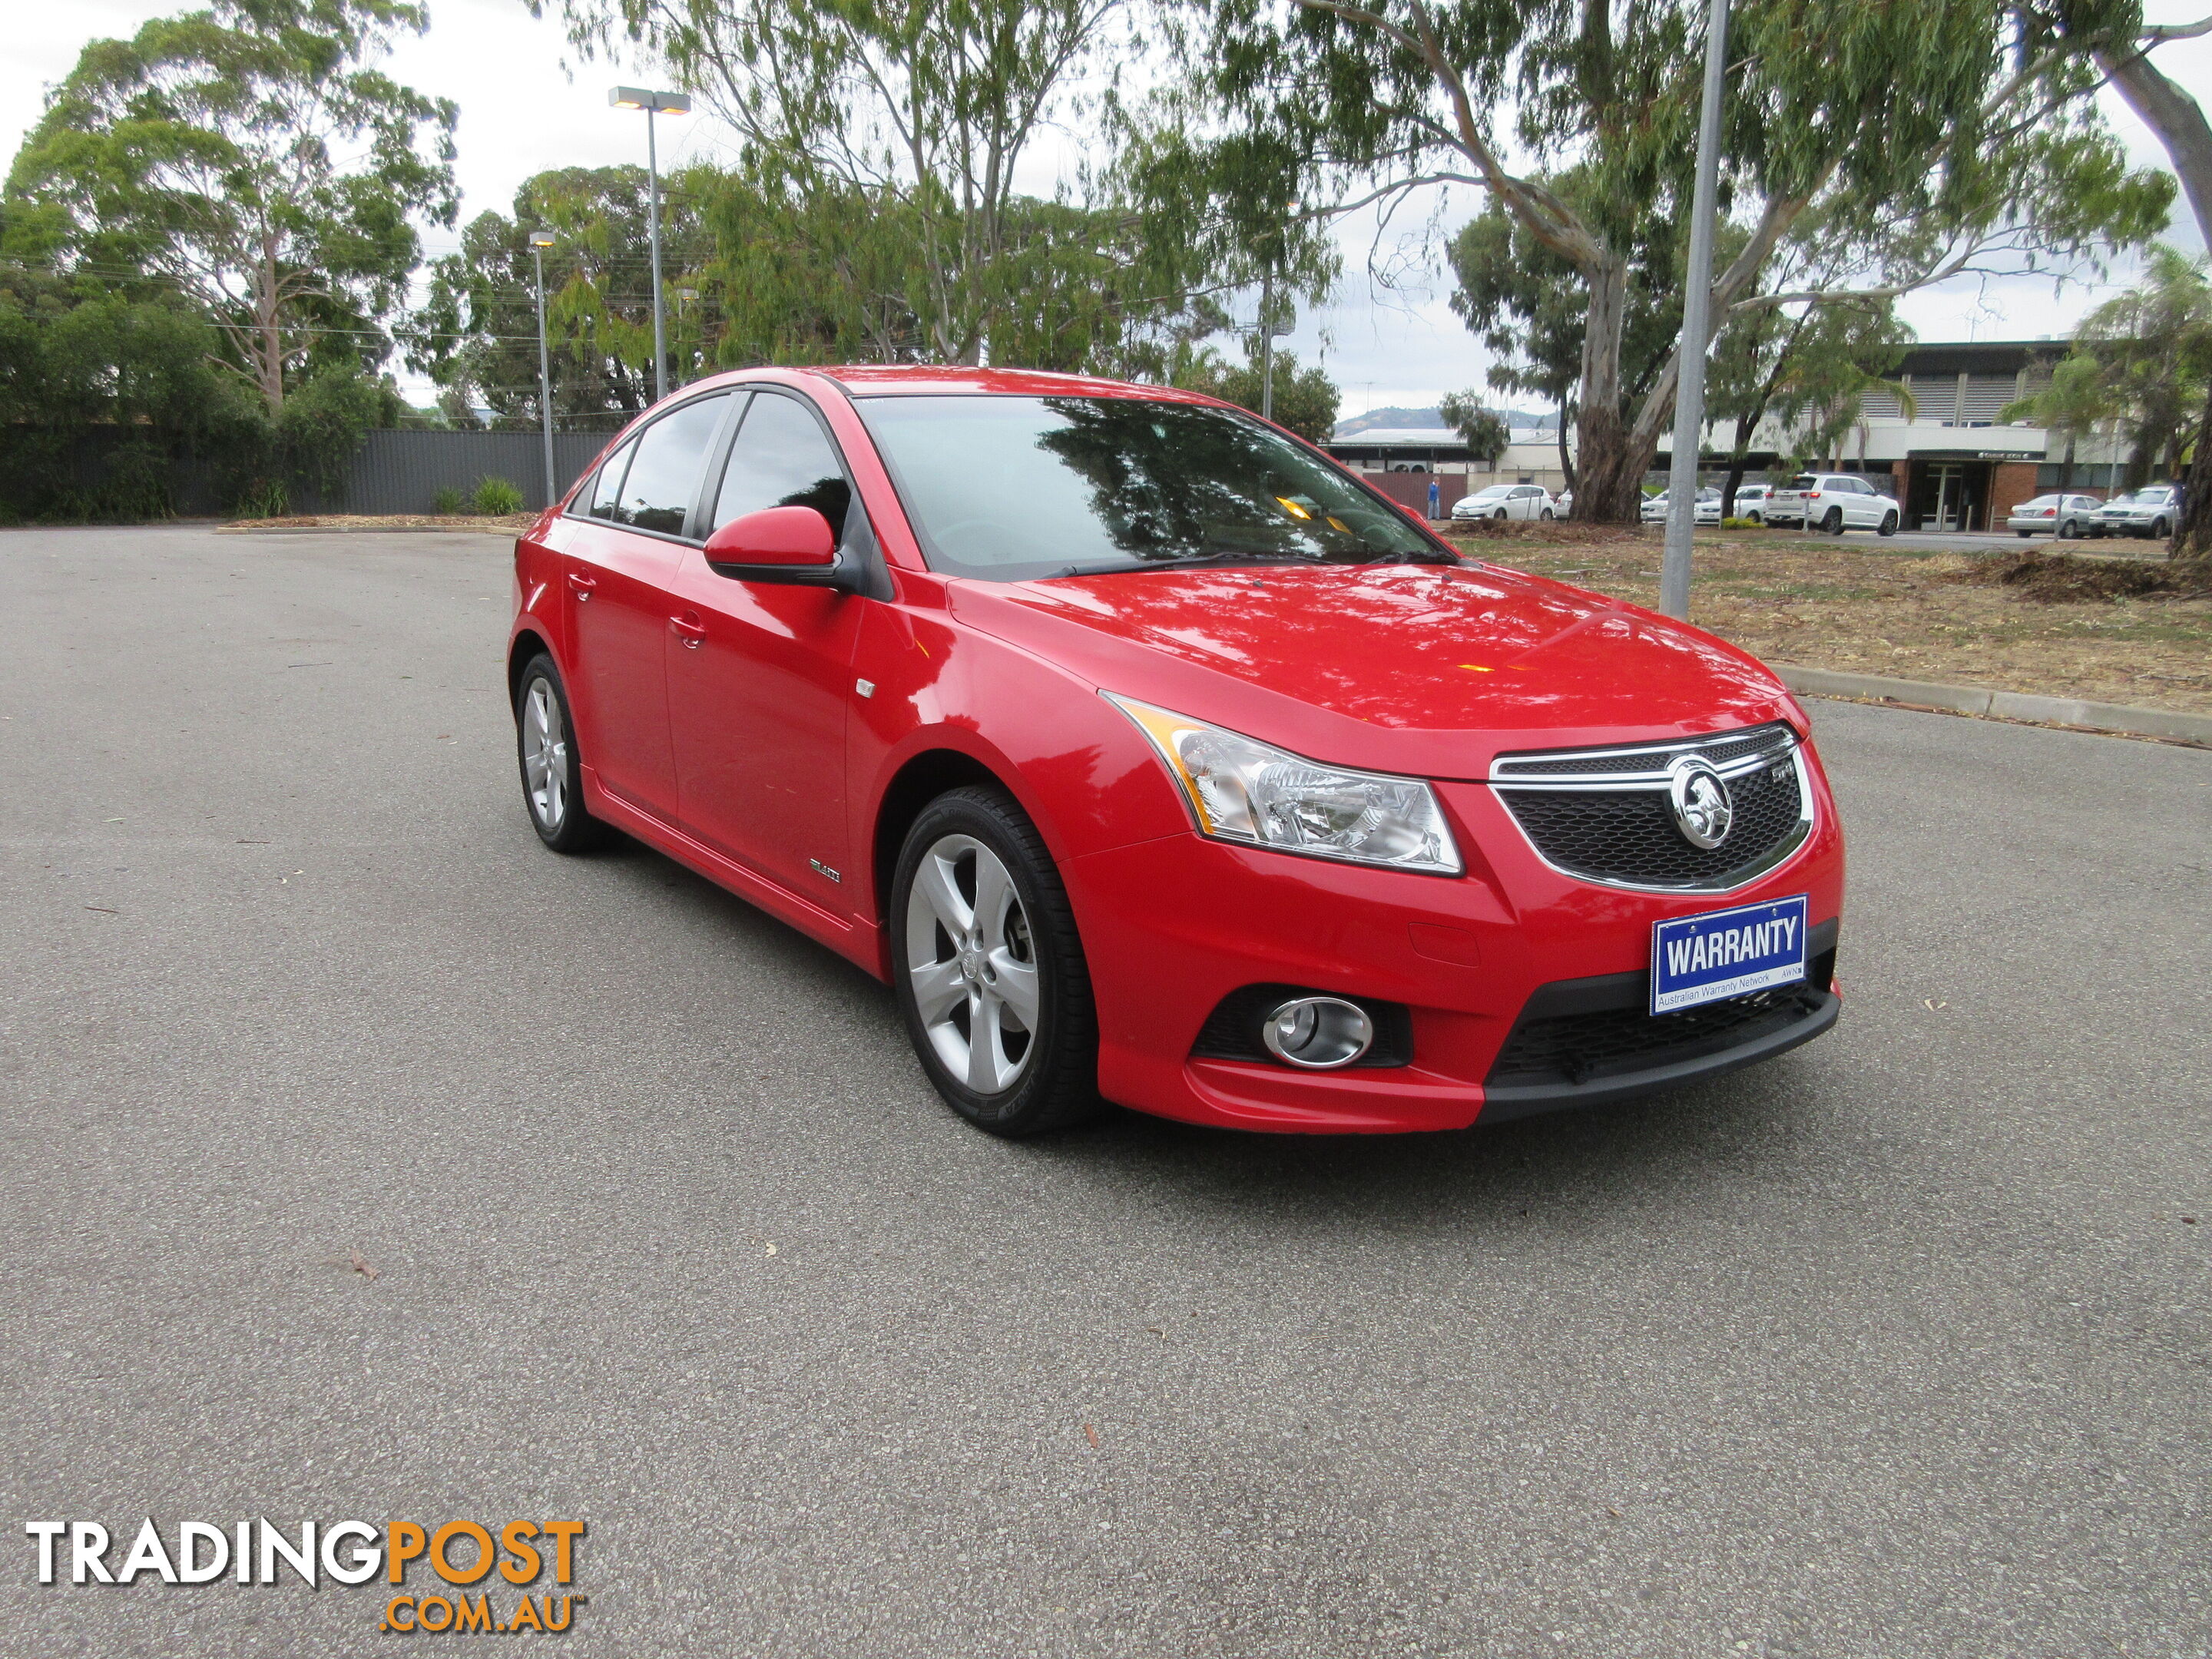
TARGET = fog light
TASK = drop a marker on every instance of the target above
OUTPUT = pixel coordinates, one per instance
(1317, 1033)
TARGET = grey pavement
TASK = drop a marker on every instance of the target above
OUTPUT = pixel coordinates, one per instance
(1896, 1347)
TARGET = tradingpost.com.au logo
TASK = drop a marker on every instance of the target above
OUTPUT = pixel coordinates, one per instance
(461, 1552)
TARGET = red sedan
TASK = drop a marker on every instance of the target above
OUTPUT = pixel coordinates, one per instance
(1153, 757)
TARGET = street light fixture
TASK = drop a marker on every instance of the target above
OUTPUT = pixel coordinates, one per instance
(654, 103)
(540, 242)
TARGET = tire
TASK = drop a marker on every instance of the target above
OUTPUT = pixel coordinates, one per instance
(952, 968)
(2025, 534)
(1889, 524)
(2160, 530)
(1499, 515)
(552, 769)
(1833, 524)
(1545, 515)
(1755, 519)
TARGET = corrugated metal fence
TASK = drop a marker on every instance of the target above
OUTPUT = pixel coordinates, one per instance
(403, 471)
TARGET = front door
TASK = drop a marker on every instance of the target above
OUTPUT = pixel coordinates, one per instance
(760, 674)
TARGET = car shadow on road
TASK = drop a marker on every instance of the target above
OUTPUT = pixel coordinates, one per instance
(1737, 1133)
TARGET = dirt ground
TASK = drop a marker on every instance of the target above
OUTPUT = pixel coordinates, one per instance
(484, 521)
(1854, 605)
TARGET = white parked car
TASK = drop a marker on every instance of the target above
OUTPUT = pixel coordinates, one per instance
(2153, 511)
(1506, 501)
(1708, 508)
(1751, 502)
(2058, 514)
(1834, 502)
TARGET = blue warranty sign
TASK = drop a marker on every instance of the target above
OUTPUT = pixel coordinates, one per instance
(1727, 953)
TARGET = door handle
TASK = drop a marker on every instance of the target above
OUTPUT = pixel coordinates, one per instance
(580, 585)
(688, 629)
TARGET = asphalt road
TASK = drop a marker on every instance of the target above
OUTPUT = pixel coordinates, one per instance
(1896, 1347)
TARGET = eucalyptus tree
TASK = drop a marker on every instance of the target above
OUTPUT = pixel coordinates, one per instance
(1919, 132)
(2143, 361)
(476, 333)
(916, 119)
(251, 155)
(1484, 430)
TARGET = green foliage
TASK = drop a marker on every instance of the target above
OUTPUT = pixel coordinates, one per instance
(476, 333)
(1907, 129)
(496, 496)
(1485, 431)
(248, 157)
(2144, 360)
(449, 501)
(263, 498)
(321, 425)
(1306, 400)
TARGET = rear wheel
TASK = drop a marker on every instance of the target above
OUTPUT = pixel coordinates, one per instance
(1546, 515)
(1500, 513)
(1889, 524)
(1833, 524)
(1753, 518)
(552, 773)
(2068, 531)
(989, 968)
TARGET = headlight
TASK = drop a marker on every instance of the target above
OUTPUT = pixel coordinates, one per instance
(1245, 790)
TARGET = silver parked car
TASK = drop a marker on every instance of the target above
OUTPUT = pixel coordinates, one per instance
(2152, 511)
(2060, 514)
(1505, 502)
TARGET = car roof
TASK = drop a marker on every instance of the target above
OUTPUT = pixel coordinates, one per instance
(940, 379)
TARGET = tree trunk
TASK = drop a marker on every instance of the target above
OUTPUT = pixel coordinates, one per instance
(1566, 462)
(2192, 536)
(2179, 121)
(1609, 485)
(1735, 470)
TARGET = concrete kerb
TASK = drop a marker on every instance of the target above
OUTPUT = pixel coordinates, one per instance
(2161, 725)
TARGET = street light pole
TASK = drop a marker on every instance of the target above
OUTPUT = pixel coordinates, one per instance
(1697, 329)
(1268, 345)
(540, 242)
(654, 103)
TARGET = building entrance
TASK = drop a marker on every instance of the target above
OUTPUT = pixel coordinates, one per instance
(1949, 496)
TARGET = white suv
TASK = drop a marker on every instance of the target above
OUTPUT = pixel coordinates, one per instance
(1835, 502)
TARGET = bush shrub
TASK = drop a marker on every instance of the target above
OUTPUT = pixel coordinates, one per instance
(448, 503)
(497, 496)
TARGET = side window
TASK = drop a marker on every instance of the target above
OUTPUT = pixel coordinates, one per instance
(782, 459)
(609, 482)
(665, 477)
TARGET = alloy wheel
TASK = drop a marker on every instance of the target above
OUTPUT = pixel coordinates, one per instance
(971, 964)
(544, 756)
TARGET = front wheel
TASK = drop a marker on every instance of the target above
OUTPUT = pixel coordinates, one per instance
(1889, 524)
(2160, 530)
(2068, 531)
(989, 971)
(1833, 524)
(552, 773)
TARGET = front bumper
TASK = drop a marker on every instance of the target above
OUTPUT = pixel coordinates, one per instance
(1173, 926)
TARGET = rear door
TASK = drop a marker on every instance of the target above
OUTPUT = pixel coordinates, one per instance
(760, 673)
(623, 565)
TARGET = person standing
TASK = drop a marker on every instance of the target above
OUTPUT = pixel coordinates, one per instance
(1436, 501)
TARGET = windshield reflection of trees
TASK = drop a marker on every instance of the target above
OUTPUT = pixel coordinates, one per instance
(1172, 482)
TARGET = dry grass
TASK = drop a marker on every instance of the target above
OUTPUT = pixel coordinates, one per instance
(1853, 606)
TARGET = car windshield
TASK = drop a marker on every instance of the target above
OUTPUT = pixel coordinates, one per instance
(1008, 489)
(2043, 500)
(1494, 493)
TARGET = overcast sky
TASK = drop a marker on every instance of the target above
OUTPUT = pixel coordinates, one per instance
(522, 111)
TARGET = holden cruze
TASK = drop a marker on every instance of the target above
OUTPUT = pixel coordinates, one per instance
(1154, 758)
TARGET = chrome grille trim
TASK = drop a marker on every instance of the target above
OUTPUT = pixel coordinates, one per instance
(1533, 774)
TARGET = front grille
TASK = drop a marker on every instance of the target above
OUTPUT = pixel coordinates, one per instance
(1604, 814)
(1604, 1042)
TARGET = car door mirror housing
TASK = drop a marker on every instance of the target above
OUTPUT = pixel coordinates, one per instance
(786, 539)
